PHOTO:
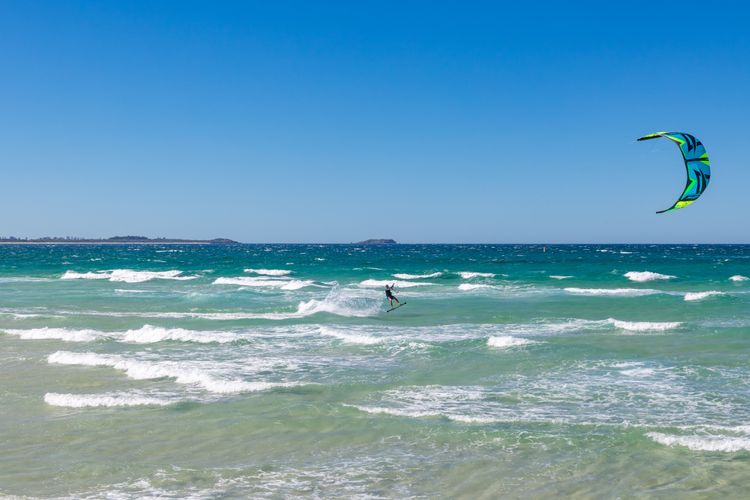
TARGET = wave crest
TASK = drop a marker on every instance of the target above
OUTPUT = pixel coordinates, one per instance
(127, 275)
(403, 276)
(692, 296)
(506, 341)
(99, 400)
(143, 370)
(643, 276)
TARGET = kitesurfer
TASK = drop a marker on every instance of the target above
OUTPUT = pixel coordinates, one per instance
(389, 294)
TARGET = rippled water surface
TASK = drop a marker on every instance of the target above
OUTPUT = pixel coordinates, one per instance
(275, 370)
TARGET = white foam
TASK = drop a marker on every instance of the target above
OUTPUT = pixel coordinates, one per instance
(557, 277)
(403, 276)
(644, 276)
(644, 326)
(467, 275)
(146, 335)
(505, 342)
(106, 400)
(622, 292)
(72, 275)
(150, 334)
(399, 284)
(395, 411)
(269, 272)
(352, 338)
(467, 287)
(639, 372)
(127, 275)
(124, 291)
(691, 296)
(57, 334)
(183, 373)
(738, 277)
(729, 444)
(282, 284)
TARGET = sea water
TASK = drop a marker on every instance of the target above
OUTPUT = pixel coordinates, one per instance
(513, 371)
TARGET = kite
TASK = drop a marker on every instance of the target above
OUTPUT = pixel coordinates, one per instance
(696, 164)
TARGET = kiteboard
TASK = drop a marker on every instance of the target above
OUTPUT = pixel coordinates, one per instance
(396, 307)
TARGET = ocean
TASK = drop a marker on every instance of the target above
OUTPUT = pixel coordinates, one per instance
(274, 371)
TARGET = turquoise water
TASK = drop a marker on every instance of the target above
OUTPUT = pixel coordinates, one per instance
(274, 371)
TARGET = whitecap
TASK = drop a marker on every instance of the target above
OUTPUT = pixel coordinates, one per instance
(506, 341)
(729, 444)
(644, 326)
(181, 372)
(467, 275)
(150, 334)
(56, 334)
(691, 296)
(127, 275)
(558, 277)
(738, 277)
(105, 400)
(98, 275)
(643, 276)
(269, 272)
(403, 276)
(283, 284)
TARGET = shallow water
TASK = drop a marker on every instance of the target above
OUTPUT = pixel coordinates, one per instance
(274, 370)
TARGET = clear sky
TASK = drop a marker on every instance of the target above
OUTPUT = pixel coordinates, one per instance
(338, 121)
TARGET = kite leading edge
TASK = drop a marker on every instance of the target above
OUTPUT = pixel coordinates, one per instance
(696, 164)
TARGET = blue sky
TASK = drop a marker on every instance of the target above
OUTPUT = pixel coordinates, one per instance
(339, 121)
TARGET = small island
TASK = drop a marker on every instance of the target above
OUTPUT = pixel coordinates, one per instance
(114, 240)
(377, 242)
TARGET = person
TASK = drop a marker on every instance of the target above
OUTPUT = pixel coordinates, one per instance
(389, 294)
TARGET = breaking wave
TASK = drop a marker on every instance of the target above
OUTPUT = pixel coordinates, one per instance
(728, 444)
(126, 275)
(146, 335)
(467, 275)
(644, 276)
(403, 276)
(505, 342)
(181, 372)
(692, 296)
(269, 272)
(105, 400)
(644, 326)
(281, 284)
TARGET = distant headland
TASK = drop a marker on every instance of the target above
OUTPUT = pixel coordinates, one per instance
(114, 240)
(377, 242)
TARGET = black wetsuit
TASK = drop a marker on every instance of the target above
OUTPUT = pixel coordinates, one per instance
(388, 293)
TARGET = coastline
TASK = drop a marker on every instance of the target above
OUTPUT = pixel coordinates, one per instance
(96, 243)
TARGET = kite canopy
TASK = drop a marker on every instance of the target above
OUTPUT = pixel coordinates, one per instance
(696, 164)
